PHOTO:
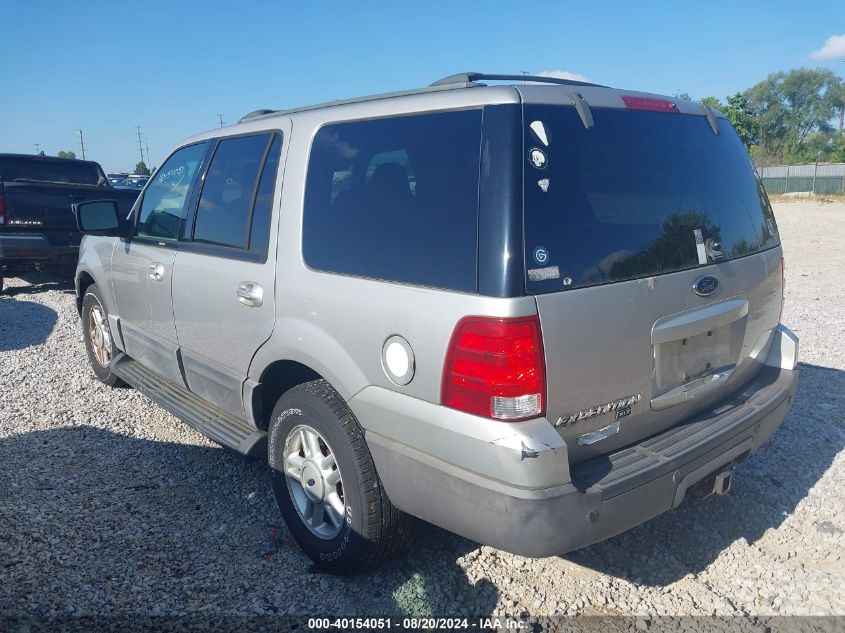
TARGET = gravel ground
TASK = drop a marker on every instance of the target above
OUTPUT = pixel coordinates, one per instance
(111, 506)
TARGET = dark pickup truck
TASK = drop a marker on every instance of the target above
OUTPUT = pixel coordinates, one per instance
(37, 194)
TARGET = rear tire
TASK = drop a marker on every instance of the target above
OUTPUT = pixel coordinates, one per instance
(98, 339)
(357, 527)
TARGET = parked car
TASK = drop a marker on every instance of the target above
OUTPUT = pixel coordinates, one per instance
(116, 177)
(567, 323)
(37, 225)
(132, 182)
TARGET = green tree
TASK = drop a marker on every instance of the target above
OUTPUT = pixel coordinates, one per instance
(68, 154)
(792, 106)
(740, 115)
(712, 102)
(142, 169)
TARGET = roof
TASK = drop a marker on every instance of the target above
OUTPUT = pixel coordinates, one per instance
(47, 158)
(452, 82)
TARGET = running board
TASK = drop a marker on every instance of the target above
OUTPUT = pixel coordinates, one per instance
(222, 427)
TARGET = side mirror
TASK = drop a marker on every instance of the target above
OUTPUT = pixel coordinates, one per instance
(99, 217)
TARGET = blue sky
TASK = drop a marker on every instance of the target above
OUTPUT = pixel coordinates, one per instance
(171, 67)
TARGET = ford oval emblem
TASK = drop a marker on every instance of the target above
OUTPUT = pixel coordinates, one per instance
(705, 286)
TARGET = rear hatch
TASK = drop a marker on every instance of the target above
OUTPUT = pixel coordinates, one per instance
(654, 258)
(40, 193)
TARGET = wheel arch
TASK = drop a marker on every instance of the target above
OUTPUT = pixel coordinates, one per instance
(84, 280)
(277, 378)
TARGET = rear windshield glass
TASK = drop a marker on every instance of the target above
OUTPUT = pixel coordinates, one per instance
(638, 194)
(22, 169)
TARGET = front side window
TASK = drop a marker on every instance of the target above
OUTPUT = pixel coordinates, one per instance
(166, 199)
(396, 199)
(225, 205)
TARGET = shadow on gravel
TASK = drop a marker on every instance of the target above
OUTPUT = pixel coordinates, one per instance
(24, 323)
(766, 490)
(51, 279)
(95, 522)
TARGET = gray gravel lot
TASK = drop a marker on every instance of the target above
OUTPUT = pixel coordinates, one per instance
(110, 505)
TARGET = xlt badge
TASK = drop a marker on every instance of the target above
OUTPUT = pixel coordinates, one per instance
(621, 406)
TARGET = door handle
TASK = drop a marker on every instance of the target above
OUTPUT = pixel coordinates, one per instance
(156, 271)
(250, 294)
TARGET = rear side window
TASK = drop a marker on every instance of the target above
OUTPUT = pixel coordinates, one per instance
(225, 206)
(638, 194)
(260, 227)
(396, 199)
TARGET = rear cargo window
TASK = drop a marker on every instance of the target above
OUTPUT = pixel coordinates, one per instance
(396, 199)
(24, 169)
(638, 194)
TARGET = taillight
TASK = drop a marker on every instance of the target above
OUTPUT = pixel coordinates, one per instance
(495, 368)
(645, 103)
(2, 208)
(782, 286)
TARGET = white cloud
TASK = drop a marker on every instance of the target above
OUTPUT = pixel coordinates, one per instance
(834, 48)
(562, 74)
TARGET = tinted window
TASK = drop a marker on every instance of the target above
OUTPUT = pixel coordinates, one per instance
(260, 230)
(227, 193)
(640, 193)
(165, 200)
(396, 199)
(22, 169)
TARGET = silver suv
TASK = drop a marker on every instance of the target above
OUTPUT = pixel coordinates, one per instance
(533, 314)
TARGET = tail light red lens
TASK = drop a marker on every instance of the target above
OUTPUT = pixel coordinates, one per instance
(644, 103)
(495, 367)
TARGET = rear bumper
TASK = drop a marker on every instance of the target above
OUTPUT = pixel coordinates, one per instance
(603, 496)
(33, 246)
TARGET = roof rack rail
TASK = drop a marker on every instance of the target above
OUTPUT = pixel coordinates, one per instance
(260, 114)
(255, 114)
(471, 77)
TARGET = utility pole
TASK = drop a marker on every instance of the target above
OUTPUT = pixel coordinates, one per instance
(147, 145)
(37, 148)
(220, 119)
(140, 145)
(82, 144)
(523, 73)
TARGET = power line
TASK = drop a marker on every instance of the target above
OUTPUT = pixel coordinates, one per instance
(140, 145)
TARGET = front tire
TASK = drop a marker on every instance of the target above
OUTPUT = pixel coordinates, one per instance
(98, 339)
(326, 484)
